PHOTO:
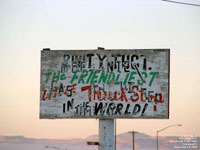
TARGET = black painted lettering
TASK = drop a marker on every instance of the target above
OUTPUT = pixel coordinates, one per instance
(90, 60)
(61, 88)
(136, 109)
(144, 109)
(119, 108)
(101, 60)
(127, 109)
(70, 105)
(64, 108)
(110, 109)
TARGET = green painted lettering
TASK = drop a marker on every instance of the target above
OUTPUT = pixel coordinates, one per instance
(47, 76)
(132, 77)
(74, 76)
(103, 78)
(117, 82)
(83, 75)
(126, 78)
(153, 77)
(56, 76)
(94, 77)
(109, 78)
(63, 77)
(90, 76)
(139, 81)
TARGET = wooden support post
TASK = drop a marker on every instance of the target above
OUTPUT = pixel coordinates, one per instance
(106, 131)
(106, 134)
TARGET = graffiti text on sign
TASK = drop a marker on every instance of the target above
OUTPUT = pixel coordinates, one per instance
(96, 76)
(113, 83)
(116, 62)
(101, 109)
(59, 91)
(138, 94)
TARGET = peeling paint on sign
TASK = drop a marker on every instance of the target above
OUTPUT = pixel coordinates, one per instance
(104, 84)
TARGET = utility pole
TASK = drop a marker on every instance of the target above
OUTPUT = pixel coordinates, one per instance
(133, 138)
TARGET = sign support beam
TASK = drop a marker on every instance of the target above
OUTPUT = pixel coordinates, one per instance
(106, 134)
(106, 131)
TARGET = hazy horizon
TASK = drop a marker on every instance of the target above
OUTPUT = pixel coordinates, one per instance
(124, 141)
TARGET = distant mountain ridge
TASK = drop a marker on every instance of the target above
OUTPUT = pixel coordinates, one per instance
(124, 142)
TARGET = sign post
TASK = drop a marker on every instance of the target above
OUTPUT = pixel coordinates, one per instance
(106, 131)
(106, 134)
(105, 85)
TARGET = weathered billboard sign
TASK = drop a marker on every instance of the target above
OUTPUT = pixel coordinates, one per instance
(104, 84)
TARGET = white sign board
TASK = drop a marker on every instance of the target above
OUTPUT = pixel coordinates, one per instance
(104, 84)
